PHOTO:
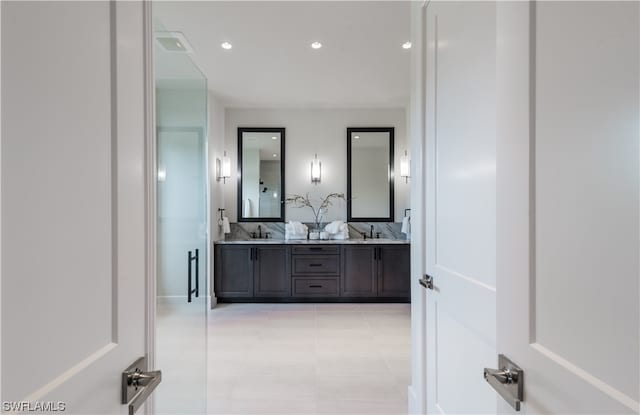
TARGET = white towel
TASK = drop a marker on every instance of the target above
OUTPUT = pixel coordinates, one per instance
(342, 234)
(247, 208)
(334, 227)
(296, 227)
(295, 230)
(224, 224)
(406, 225)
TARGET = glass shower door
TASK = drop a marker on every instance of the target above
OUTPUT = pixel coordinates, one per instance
(182, 230)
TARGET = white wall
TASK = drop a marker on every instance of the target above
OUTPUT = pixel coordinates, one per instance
(310, 131)
(215, 150)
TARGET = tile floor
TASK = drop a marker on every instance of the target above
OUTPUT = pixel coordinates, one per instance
(280, 359)
(346, 359)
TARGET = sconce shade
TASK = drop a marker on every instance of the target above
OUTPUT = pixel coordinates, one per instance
(162, 173)
(316, 170)
(225, 169)
(405, 166)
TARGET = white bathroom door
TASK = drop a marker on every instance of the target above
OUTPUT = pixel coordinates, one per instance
(74, 215)
(460, 205)
(568, 204)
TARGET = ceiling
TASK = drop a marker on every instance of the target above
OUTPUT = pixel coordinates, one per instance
(264, 142)
(361, 64)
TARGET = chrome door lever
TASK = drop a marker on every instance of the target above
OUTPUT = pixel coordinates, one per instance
(506, 376)
(426, 282)
(508, 381)
(137, 384)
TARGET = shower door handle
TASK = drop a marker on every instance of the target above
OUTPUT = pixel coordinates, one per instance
(191, 291)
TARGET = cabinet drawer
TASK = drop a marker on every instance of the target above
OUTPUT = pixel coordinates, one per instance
(328, 264)
(315, 287)
(315, 250)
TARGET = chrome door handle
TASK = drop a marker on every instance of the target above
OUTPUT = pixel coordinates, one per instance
(506, 377)
(138, 384)
(508, 381)
(426, 282)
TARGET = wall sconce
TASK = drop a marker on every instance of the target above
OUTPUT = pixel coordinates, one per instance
(316, 170)
(162, 173)
(223, 168)
(405, 167)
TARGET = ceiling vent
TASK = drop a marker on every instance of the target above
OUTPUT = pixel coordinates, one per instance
(174, 42)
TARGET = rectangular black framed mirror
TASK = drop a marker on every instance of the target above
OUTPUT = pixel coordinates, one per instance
(261, 174)
(370, 188)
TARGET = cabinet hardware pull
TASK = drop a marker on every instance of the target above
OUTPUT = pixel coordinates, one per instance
(315, 286)
(315, 265)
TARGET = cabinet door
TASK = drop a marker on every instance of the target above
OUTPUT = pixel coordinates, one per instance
(272, 277)
(394, 271)
(234, 271)
(358, 272)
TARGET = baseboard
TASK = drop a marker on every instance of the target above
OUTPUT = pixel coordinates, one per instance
(178, 299)
(414, 407)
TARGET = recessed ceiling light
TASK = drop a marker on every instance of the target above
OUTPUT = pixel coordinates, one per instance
(357, 136)
(316, 45)
(275, 155)
(274, 138)
(226, 45)
(406, 45)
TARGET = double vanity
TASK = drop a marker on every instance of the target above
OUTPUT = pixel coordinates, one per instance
(248, 268)
(354, 270)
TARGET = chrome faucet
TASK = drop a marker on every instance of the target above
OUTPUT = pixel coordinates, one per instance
(371, 232)
(260, 231)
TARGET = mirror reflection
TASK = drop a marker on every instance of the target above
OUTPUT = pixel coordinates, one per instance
(261, 184)
(370, 170)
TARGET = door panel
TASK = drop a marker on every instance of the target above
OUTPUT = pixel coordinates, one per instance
(568, 232)
(460, 197)
(73, 201)
(358, 275)
(182, 238)
(586, 187)
(234, 271)
(394, 271)
(272, 278)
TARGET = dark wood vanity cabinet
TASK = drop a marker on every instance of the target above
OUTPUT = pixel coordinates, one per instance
(234, 271)
(393, 270)
(359, 271)
(348, 272)
(376, 271)
(246, 271)
(271, 274)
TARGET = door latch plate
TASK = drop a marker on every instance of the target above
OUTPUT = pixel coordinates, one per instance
(508, 381)
(138, 383)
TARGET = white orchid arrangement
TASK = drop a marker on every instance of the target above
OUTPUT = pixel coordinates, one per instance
(299, 201)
